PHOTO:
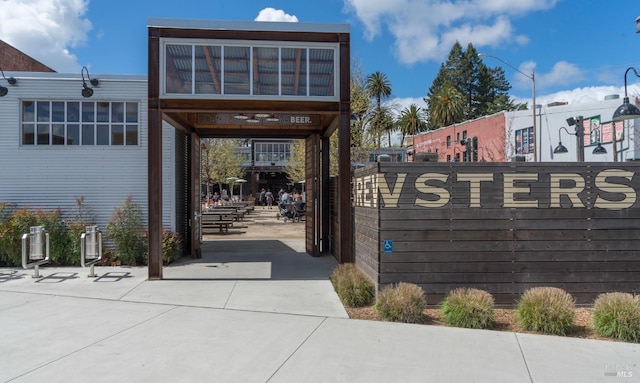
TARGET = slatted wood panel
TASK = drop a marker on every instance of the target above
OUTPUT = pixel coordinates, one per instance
(182, 188)
(366, 227)
(574, 226)
(311, 190)
(334, 223)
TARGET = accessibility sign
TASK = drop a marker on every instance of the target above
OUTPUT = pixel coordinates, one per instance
(388, 246)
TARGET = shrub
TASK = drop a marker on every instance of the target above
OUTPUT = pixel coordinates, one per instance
(61, 249)
(548, 310)
(353, 287)
(127, 232)
(403, 302)
(171, 246)
(11, 230)
(617, 315)
(77, 225)
(469, 308)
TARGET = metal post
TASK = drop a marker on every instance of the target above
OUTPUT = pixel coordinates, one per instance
(615, 142)
(580, 138)
(532, 77)
(535, 132)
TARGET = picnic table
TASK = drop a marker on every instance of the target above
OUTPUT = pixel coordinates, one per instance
(235, 211)
(216, 221)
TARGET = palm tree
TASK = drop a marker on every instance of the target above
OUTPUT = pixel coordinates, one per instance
(412, 120)
(446, 106)
(378, 86)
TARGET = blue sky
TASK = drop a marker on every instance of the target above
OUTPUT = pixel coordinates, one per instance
(579, 49)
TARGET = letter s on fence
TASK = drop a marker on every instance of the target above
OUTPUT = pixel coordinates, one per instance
(443, 194)
(626, 190)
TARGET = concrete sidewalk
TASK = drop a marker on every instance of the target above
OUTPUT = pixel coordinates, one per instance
(257, 311)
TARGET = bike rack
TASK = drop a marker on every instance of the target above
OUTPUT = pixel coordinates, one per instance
(38, 249)
(91, 248)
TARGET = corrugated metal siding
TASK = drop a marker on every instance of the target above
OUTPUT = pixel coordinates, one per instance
(54, 176)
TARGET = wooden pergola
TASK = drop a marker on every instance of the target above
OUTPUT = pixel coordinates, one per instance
(252, 80)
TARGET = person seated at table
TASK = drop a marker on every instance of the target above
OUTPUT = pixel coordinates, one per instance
(299, 203)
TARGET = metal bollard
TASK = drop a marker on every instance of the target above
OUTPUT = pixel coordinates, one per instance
(38, 239)
(91, 248)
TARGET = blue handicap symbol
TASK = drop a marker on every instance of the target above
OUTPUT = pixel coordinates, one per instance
(388, 246)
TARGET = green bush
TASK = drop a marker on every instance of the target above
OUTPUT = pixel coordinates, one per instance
(171, 246)
(77, 225)
(127, 232)
(61, 251)
(617, 315)
(353, 287)
(469, 308)
(12, 228)
(404, 302)
(548, 310)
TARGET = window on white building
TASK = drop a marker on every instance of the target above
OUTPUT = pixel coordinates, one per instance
(87, 123)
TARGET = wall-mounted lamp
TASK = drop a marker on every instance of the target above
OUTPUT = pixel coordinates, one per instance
(10, 80)
(599, 149)
(579, 133)
(86, 91)
(626, 111)
(560, 149)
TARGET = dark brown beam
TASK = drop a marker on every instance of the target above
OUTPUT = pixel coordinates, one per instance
(154, 162)
(317, 37)
(208, 106)
(344, 155)
(179, 122)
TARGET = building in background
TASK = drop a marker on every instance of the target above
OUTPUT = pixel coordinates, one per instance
(508, 136)
(485, 137)
(58, 145)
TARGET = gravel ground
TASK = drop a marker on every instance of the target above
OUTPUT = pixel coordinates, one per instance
(262, 223)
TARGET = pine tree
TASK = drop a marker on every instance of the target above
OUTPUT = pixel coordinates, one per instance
(480, 90)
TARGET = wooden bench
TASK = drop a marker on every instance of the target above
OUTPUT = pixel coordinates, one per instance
(214, 220)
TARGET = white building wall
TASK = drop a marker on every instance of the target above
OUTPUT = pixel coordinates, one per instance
(49, 177)
(549, 121)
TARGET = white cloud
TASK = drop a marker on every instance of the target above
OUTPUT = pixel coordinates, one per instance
(45, 29)
(424, 30)
(272, 14)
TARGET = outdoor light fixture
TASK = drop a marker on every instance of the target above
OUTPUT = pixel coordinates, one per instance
(86, 90)
(579, 133)
(599, 149)
(626, 111)
(561, 148)
(10, 80)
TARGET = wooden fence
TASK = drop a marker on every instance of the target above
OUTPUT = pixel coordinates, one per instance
(500, 227)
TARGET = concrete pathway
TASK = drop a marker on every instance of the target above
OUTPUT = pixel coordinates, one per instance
(257, 311)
